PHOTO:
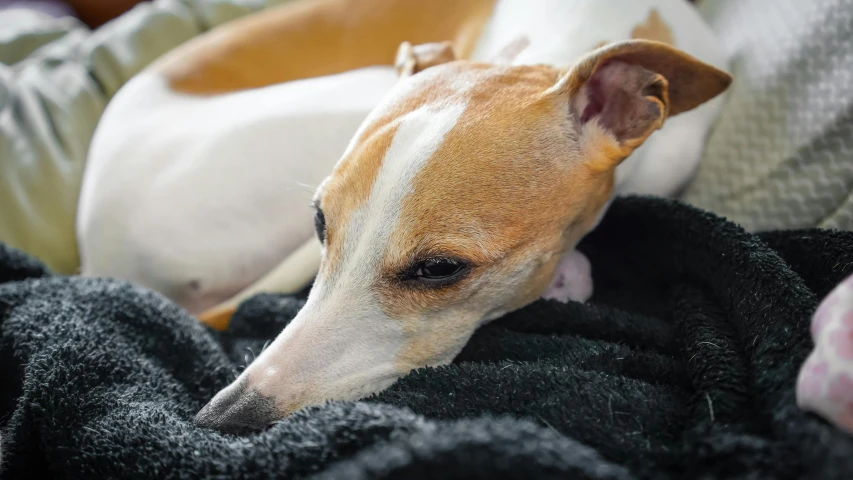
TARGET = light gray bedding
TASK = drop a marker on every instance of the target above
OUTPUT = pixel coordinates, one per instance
(781, 155)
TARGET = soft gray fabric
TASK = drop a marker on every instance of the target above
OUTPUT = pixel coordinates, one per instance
(781, 155)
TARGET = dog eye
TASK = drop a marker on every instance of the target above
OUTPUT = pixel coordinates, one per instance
(320, 225)
(438, 269)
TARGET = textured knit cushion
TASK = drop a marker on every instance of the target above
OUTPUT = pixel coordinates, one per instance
(781, 155)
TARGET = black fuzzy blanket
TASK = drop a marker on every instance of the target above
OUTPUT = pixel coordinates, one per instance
(683, 366)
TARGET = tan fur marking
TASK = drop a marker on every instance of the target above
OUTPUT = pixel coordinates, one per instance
(654, 28)
(310, 38)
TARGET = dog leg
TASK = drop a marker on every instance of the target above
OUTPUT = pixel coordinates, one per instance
(572, 279)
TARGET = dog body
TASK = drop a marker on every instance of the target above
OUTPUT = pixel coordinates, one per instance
(446, 198)
(197, 197)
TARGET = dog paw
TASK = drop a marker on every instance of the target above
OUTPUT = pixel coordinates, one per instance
(825, 381)
(572, 279)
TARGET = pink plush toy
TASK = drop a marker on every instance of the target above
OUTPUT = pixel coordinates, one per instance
(825, 383)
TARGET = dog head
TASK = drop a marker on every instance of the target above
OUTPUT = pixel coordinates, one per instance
(451, 207)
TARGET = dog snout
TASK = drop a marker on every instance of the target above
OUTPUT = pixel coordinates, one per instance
(238, 410)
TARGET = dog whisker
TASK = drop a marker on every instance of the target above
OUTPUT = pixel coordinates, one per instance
(308, 187)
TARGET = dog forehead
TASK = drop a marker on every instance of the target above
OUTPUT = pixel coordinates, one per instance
(492, 95)
(512, 141)
(456, 124)
(480, 194)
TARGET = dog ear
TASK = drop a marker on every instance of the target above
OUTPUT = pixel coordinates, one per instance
(412, 59)
(621, 93)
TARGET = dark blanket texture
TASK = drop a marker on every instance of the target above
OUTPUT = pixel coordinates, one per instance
(682, 366)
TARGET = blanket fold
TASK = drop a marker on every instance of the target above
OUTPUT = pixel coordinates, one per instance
(683, 365)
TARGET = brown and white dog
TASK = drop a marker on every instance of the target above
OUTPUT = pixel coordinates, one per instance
(450, 191)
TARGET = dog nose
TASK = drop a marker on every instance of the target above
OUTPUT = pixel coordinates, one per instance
(238, 410)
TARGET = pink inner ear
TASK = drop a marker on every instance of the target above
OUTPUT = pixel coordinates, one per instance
(595, 99)
(616, 95)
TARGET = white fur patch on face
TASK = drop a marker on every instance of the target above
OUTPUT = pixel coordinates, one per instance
(418, 137)
(342, 345)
